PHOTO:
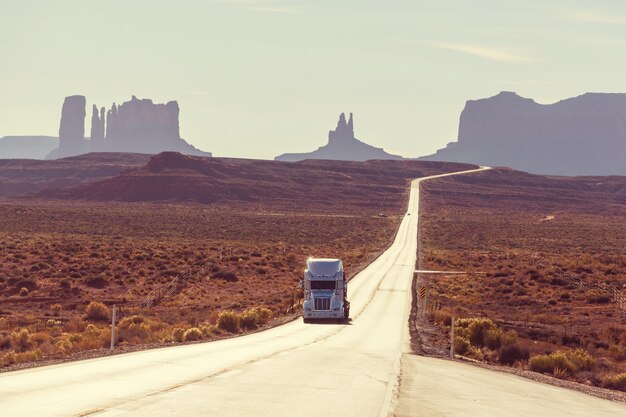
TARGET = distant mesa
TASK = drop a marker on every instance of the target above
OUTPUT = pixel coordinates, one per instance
(342, 145)
(584, 135)
(137, 126)
(27, 147)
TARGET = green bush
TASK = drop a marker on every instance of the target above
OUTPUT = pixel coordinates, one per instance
(192, 334)
(477, 330)
(562, 361)
(97, 311)
(492, 339)
(228, 321)
(461, 346)
(548, 364)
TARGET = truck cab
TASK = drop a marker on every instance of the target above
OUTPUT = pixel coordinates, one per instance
(325, 290)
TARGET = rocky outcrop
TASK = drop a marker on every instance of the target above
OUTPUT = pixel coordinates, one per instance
(584, 135)
(138, 126)
(342, 145)
(72, 128)
(142, 126)
(97, 129)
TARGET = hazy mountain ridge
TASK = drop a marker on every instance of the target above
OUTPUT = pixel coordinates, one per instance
(27, 147)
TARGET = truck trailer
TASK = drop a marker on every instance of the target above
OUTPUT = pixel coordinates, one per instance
(325, 290)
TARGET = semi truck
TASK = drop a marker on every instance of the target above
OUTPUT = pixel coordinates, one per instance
(325, 290)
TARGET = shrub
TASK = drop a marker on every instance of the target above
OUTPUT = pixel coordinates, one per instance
(64, 345)
(618, 352)
(461, 346)
(225, 275)
(192, 334)
(582, 360)
(178, 334)
(12, 357)
(75, 325)
(5, 341)
(599, 299)
(508, 338)
(21, 340)
(96, 281)
(248, 319)
(615, 382)
(492, 339)
(511, 353)
(263, 315)
(548, 364)
(56, 309)
(210, 330)
(228, 321)
(443, 317)
(97, 311)
(133, 328)
(570, 361)
(254, 317)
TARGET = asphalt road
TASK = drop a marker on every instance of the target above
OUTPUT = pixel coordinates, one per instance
(293, 370)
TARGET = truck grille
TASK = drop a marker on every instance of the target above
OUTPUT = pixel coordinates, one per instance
(322, 303)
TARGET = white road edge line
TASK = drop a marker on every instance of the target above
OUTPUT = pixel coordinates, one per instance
(393, 388)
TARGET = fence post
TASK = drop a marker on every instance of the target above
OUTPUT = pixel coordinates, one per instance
(452, 338)
(113, 327)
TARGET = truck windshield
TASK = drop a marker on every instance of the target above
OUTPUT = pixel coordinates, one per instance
(323, 285)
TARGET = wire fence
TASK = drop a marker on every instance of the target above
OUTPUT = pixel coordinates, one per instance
(609, 290)
(159, 294)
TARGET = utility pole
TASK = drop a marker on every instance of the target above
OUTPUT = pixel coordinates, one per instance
(452, 338)
(113, 314)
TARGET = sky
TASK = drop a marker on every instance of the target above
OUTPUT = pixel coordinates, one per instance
(257, 78)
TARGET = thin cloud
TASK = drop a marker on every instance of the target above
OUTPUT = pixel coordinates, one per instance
(484, 52)
(585, 16)
(258, 6)
(271, 9)
(195, 93)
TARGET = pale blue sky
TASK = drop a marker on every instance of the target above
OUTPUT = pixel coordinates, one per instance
(256, 78)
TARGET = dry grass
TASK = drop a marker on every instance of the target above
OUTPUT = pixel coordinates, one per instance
(519, 236)
(63, 264)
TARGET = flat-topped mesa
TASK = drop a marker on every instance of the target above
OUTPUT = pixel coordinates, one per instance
(72, 127)
(142, 126)
(582, 135)
(344, 131)
(137, 126)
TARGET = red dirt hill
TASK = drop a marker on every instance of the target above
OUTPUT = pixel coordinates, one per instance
(171, 176)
